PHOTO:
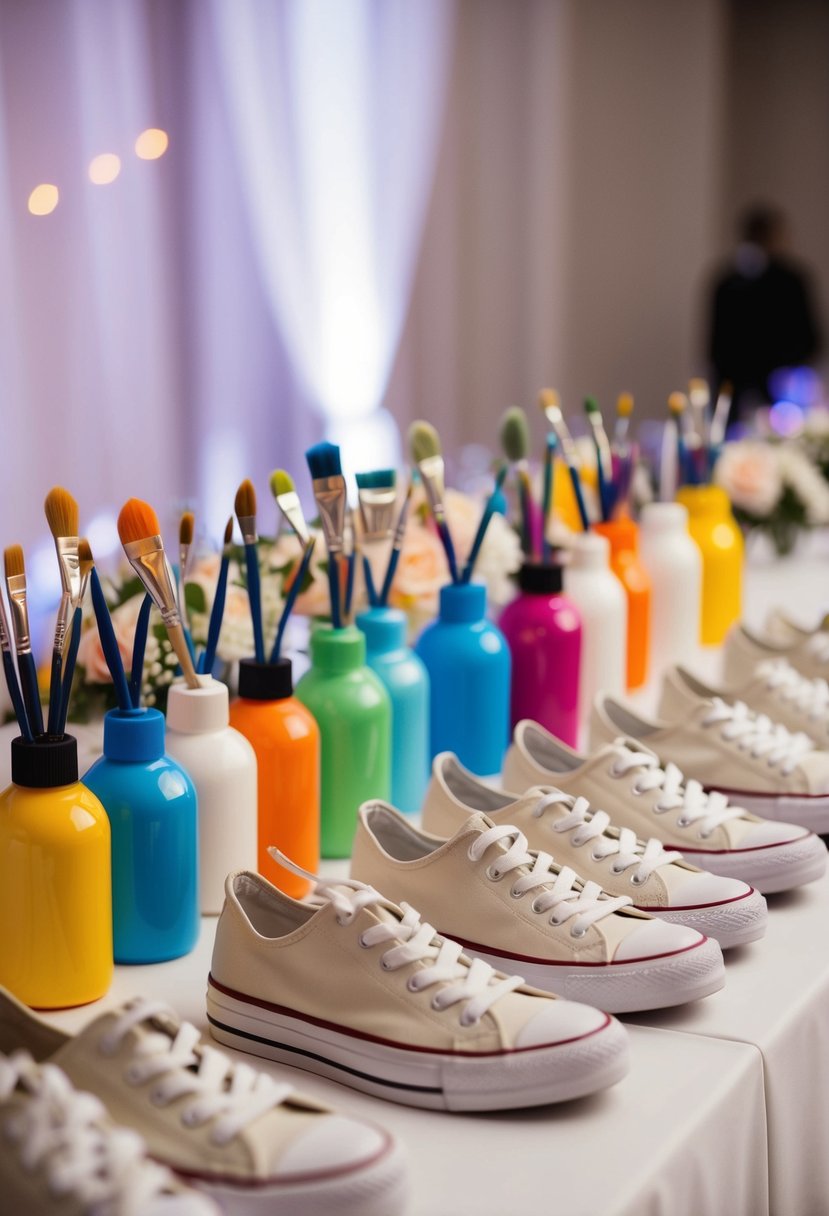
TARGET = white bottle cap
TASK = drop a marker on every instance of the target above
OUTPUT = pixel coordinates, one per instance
(664, 517)
(197, 711)
(590, 552)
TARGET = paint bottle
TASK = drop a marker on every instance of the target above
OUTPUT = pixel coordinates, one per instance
(286, 742)
(714, 528)
(353, 713)
(222, 766)
(600, 598)
(674, 564)
(468, 661)
(544, 632)
(55, 880)
(153, 816)
(628, 567)
(407, 683)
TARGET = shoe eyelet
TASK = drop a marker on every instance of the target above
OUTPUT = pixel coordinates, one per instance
(467, 1021)
(157, 1097)
(594, 856)
(682, 822)
(517, 894)
(636, 789)
(471, 854)
(659, 809)
(411, 984)
(494, 874)
(703, 835)
(555, 922)
(614, 869)
(535, 907)
(576, 843)
(613, 771)
(574, 932)
(188, 1119)
(363, 943)
(436, 1004)
(133, 1075)
(637, 881)
(385, 965)
(108, 1046)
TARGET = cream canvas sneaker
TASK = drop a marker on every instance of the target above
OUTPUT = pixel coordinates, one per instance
(806, 649)
(353, 987)
(752, 760)
(773, 686)
(63, 1155)
(599, 851)
(518, 910)
(626, 779)
(253, 1144)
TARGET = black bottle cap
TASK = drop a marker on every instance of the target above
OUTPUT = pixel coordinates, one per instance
(45, 765)
(265, 681)
(536, 578)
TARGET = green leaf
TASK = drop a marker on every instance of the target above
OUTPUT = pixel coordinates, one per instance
(194, 598)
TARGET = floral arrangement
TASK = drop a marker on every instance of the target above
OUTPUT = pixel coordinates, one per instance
(421, 572)
(774, 488)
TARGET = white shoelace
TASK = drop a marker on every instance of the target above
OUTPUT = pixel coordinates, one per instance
(758, 735)
(626, 848)
(810, 697)
(234, 1094)
(475, 984)
(710, 811)
(63, 1132)
(563, 895)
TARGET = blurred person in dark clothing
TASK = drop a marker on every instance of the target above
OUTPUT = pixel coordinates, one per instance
(762, 313)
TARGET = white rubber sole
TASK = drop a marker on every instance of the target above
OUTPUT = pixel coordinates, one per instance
(735, 923)
(379, 1188)
(436, 1081)
(811, 813)
(634, 987)
(776, 868)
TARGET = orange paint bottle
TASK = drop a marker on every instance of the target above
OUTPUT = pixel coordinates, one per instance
(626, 564)
(286, 741)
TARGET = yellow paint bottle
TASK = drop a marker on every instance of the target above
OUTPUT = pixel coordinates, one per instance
(714, 528)
(55, 886)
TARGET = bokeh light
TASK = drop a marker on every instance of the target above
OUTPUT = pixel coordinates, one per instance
(152, 143)
(104, 169)
(43, 199)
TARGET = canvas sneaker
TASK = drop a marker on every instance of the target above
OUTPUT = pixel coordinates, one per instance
(355, 988)
(753, 761)
(62, 1154)
(773, 686)
(585, 839)
(250, 1142)
(626, 779)
(519, 910)
(805, 649)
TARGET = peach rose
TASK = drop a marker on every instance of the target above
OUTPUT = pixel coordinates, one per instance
(421, 571)
(750, 474)
(90, 651)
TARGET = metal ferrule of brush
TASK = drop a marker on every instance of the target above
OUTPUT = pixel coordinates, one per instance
(377, 513)
(16, 586)
(431, 474)
(149, 562)
(247, 525)
(70, 567)
(62, 619)
(291, 508)
(331, 498)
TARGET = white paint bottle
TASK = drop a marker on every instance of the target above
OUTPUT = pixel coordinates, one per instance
(600, 598)
(674, 563)
(222, 766)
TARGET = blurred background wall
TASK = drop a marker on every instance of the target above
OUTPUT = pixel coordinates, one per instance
(552, 183)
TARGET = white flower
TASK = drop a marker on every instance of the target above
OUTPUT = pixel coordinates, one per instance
(751, 476)
(798, 471)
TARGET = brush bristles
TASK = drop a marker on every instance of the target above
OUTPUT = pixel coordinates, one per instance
(137, 521)
(380, 479)
(515, 434)
(324, 461)
(245, 501)
(13, 561)
(281, 482)
(85, 558)
(229, 531)
(677, 402)
(424, 441)
(591, 406)
(548, 399)
(186, 528)
(61, 512)
(624, 405)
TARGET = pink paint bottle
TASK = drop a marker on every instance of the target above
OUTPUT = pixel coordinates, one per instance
(543, 630)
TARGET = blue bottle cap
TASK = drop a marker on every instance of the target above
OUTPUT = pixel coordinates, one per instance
(385, 629)
(134, 736)
(462, 602)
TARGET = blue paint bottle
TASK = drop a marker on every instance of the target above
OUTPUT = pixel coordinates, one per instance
(407, 683)
(153, 815)
(468, 662)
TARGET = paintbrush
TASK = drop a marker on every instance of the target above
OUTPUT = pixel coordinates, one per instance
(331, 499)
(550, 406)
(547, 496)
(397, 545)
(352, 557)
(677, 403)
(377, 495)
(515, 441)
(624, 409)
(15, 568)
(245, 506)
(486, 516)
(217, 611)
(109, 643)
(62, 517)
(12, 682)
(287, 499)
(699, 399)
(85, 564)
(139, 646)
(424, 444)
(139, 530)
(290, 599)
(186, 528)
(719, 422)
(604, 458)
